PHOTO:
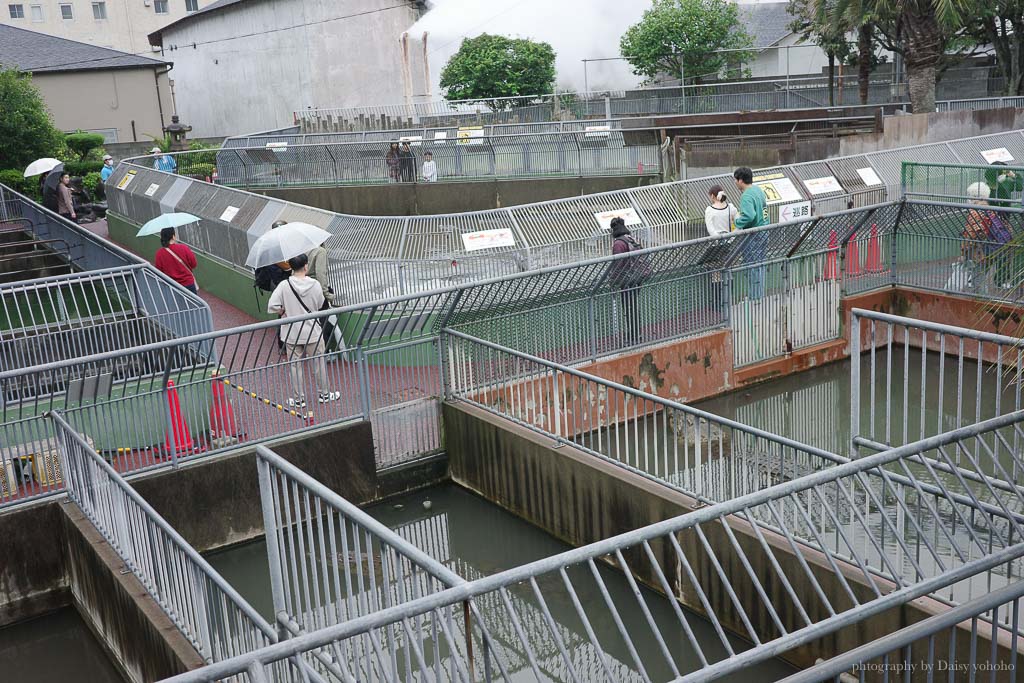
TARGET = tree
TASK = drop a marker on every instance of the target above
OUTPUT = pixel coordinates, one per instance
(488, 67)
(920, 30)
(685, 37)
(26, 131)
(828, 35)
(1000, 23)
(83, 144)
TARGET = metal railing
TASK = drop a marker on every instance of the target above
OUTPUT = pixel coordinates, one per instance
(852, 516)
(951, 182)
(974, 648)
(781, 92)
(378, 257)
(214, 618)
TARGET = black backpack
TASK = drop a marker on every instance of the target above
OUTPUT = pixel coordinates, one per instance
(633, 271)
(269, 277)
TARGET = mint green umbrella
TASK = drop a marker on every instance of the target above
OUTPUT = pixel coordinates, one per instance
(168, 220)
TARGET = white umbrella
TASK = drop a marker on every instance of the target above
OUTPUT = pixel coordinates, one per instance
(285, 242)
(41, 166)
(167, 220)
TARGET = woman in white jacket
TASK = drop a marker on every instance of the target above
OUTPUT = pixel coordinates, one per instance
(720, 215)
(294, 297)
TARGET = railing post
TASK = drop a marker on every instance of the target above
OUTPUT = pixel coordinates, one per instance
(363, 373)
(267, 499)
(854, 382)
(592, 327)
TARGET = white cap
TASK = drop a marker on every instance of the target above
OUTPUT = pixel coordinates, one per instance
(979, 191)
(155, 150)
(107, 156)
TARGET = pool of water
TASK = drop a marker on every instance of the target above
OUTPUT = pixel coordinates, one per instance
(475, 538)
(54, 648)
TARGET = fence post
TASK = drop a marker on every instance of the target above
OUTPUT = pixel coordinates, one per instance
(854, 382)
(267, 500)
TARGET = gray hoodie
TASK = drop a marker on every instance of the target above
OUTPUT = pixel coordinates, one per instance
(283, 300)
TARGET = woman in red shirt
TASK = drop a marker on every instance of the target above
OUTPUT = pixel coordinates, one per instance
(176, 260)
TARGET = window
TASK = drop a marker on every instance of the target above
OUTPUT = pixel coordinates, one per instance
(17, 11)
(37, 12)
(66, 12)
(99, 10)
(191, 5)
(160, 6)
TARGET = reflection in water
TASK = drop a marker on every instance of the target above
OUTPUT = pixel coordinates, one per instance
(475, 539)
(55, 647)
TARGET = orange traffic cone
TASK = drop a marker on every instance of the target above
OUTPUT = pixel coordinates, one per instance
(182, 439)
(831, 269)
(874, 264)
(222, 413)
(852, 257)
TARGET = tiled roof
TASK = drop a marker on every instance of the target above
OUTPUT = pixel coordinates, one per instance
(34, 52)
(767, 23)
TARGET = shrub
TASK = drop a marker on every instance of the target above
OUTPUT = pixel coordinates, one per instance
(93, 184)
(82, 168)
(14, 179)
(83, 144)
(208, 153)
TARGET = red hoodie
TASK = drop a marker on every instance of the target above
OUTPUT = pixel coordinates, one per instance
(167, 264)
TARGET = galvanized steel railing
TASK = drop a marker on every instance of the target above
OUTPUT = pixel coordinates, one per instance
(1004, 185)
(380, 257)
(214, 618)
(854, 517)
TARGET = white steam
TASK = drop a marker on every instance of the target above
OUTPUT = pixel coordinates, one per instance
(576, 29)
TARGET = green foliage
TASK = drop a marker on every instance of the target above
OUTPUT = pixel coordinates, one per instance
(206, 154)
(1000, 23)
(200, 171)
(164, 143)
(14, 179)
(488, 67)
(27, 132)
(815, 26)
(93, 183)
(683, 35)
(82, 168)
(83, 144)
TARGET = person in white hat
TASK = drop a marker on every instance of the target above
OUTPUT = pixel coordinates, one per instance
(108, 167)
(163, 162)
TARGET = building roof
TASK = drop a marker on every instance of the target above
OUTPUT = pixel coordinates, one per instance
(156, 37)
(34, 52)
(767, 23)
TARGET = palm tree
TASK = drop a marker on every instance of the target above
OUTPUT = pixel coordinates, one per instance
(922, 30)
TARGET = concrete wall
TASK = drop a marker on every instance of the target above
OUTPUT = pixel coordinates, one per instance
(111, 99)
(32, 576)
(125, 28)
(581, 499)
(918, 129)
(245, 74)
(435, 198)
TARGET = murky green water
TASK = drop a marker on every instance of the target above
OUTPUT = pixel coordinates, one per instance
(56, 648)
(475, 539)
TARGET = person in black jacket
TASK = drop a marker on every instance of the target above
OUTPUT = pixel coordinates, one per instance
(407, 163)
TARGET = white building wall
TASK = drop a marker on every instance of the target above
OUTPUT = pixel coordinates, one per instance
(249, 69)
(126, 27)
(801, 60)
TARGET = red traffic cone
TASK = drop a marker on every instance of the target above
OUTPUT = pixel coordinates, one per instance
(874, 264)
(852, 257)
(222, 413)
(182, 439)
(831, 269)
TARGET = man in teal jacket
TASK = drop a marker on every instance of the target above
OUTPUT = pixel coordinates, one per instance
(753, 214)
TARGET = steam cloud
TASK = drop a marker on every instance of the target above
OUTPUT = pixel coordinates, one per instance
(576, 29)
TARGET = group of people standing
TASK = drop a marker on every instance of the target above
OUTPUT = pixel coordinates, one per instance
(401, 163)
(983, 261)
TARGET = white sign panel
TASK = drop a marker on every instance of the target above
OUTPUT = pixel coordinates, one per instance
(604, 219)
(597, 131)
(470, 135)
(869, 176)
(229, 213)
(413, 140)
(795, 212)
(151, 190)
(823, 185)
(441, 136)
(278, 146)
(998, 154)
(488, 239)
(780, 190)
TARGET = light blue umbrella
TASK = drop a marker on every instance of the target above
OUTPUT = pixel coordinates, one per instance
(168, 220)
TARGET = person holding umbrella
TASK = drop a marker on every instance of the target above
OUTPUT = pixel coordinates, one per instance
(176, 260)
(295, 297)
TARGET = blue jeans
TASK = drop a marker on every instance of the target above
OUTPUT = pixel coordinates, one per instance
(753, 251)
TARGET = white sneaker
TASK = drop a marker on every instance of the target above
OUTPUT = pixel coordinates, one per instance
(301, 403)
(329, 396)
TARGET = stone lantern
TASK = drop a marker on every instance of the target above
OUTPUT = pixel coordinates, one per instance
(179, 134)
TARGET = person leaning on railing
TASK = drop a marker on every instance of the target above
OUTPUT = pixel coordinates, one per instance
(1004, 184)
